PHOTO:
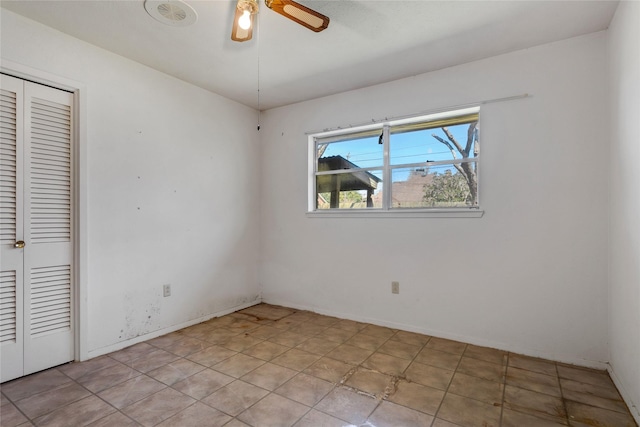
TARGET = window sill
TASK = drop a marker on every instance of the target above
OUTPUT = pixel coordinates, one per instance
(397, 213)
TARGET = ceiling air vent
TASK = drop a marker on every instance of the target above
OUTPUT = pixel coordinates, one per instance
(171, 12)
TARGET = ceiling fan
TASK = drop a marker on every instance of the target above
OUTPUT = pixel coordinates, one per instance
(246, 9)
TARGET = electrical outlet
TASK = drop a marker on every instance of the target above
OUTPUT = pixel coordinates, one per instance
(166, 290)
(395, 287)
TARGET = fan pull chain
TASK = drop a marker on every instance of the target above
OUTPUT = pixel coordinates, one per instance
(258, 47)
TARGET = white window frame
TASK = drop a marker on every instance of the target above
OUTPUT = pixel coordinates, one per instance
(387, 210)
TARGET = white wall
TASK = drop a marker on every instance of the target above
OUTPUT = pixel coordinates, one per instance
(171, 172)
(624, 227)
(530, 276)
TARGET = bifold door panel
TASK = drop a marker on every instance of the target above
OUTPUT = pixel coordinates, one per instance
(36, 215)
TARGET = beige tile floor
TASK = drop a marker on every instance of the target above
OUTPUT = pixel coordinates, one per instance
(272, 366)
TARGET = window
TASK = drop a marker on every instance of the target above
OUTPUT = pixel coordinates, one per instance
(423, 164)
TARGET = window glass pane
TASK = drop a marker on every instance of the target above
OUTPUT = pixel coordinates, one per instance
(436, 144)
(442, 186)
(350, 154)
(431, 163)
(353, 190)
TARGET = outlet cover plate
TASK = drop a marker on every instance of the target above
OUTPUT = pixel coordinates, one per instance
(395, 287)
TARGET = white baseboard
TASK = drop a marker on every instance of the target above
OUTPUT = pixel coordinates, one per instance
(123, 344)
(447, 335)
(633, 408)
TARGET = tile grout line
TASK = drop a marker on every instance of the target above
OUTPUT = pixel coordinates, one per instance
(564, 401)
(360, 365)
(411, 361)
(270, 392)
(94, 394)
(435, 416)
(396, 378)
(354, 369)
(72, 380)
(334, 385)
(91, 394)
(504, 388)
(17, 407)
(286, 397)
(288, 328)
(169, 386)
(132, 403)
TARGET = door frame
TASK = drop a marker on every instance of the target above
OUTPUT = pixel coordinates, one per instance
(79, 196)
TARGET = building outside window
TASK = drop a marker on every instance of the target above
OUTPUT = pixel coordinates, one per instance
(423, 163)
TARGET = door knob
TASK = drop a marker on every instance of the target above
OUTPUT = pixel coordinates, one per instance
(19, 244)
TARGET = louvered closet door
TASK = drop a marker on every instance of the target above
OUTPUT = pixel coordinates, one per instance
(48, 303)
(40, 274)
(11, 228)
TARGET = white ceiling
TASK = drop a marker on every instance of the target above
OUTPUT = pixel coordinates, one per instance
(367, 42)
